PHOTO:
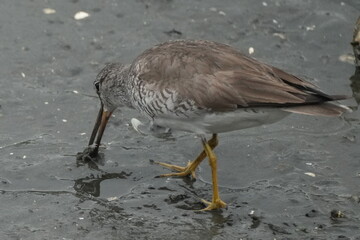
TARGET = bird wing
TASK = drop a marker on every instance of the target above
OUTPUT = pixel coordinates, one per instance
(218, 77)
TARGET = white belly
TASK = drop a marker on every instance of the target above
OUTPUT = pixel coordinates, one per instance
(223, 121)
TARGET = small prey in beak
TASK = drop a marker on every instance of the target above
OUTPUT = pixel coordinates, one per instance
(104, 86)
(91, 153)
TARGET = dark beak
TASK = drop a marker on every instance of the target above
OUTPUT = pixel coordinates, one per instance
(99, 128)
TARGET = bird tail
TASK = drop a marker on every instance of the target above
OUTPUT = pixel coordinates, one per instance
(321, 109)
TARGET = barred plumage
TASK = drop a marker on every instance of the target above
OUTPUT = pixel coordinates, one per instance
(205, 87)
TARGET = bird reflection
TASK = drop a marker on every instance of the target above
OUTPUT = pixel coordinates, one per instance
(90, 185)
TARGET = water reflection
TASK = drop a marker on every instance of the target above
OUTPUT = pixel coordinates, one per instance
(91, 184)
(214, 224)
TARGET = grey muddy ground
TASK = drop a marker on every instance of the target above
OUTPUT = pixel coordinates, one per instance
(280, 181)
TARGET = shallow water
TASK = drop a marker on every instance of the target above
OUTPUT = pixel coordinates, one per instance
(280, 181)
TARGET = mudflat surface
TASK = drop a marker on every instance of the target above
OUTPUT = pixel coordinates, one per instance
(280, 181)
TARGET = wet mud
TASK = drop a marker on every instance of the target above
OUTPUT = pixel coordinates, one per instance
(295, 179)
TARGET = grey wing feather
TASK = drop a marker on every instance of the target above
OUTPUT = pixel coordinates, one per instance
(218, 77)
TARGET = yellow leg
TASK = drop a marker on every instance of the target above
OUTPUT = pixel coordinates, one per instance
(216, 202)
(191, 166)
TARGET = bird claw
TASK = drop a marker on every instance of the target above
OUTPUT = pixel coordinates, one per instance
(182, 171)
(215, 204)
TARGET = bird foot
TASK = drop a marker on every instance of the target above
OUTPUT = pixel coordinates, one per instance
(189, 170)
(215, 204)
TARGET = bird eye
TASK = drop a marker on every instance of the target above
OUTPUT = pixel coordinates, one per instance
(97, 86)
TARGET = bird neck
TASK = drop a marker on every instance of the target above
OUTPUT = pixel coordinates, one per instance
(125, 85)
